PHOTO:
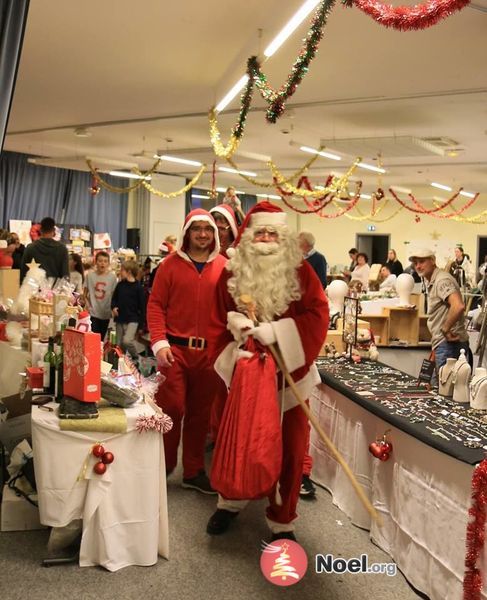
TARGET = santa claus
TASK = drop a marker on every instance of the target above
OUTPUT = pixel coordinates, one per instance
(292, 314)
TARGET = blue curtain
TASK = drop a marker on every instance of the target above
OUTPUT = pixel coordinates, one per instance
(13, 17)
(32, 192)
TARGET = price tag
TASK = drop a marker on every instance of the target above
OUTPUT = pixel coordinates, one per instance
(426, 371)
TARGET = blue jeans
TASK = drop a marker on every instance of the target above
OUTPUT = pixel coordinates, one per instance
(451, 350)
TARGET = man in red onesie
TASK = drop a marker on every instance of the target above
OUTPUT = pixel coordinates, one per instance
(292, 310)
(177, 315)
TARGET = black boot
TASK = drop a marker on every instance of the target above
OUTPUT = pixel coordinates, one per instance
(220, 521)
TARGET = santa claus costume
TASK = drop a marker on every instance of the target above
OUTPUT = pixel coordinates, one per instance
(177, 316)
(292, 310)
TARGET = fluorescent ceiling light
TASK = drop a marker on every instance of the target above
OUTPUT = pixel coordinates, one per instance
(271, 196)
(229, 170)
(401, 190)
(129, 175)
(440, 186)
(364, 196)
(467, 194)
(225, 101)
(200, 196)
(177, 159)
(320, 152)
(368, 167)
(291, 26)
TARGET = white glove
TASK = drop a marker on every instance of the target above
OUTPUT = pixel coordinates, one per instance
(243, 354)
(264, 333)
(238, 324)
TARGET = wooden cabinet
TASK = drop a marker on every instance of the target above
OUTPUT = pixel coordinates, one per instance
(398, 326)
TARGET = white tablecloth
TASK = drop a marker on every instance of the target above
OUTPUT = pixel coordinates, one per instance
(124, 511)
(422, 494)
(12, 362)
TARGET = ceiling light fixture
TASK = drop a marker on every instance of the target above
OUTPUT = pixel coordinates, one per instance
(401, 190)
(129, 175)
(320, 152)
(467, 194)
(225, 101)
(177, 159)
(368, 167)
(290, 27)
(200, 196)
(271, 196)
(440, 186)
(229, 170)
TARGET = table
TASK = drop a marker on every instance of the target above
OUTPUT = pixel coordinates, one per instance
(124, 511)
(421, 493)
(12, 362)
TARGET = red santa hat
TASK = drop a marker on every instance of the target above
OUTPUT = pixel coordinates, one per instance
(262, 214)
(227, 211)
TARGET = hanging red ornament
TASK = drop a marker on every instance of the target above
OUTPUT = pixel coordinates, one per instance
(417, 218)
(94, 188)
(381, 448)
(98, 450)
(108, 458)
(100, 468)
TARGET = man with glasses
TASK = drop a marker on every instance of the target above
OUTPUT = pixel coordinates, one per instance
(177, 317)
(226, 222)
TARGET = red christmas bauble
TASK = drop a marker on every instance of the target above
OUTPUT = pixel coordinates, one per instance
(376, 449)
(387, 447)
(100, 468)
(385, 456)
(98, 450)
(108, 458)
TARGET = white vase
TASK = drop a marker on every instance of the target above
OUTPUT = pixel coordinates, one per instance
(445, 376)
(461, 379)
(336, 292)
(404, 288)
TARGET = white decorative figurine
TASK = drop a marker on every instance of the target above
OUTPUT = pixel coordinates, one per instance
(336, 292)
(478, 389)
(461, 378)
(404, 288)
(445, 377)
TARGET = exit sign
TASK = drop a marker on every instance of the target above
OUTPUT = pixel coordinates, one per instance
(370, 227)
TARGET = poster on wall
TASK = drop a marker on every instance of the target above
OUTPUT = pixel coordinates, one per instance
(101, 241)
(22, 229)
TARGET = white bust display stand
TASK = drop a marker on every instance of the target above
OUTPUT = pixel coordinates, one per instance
(461, 378)
(404, 288)
(445, 377)
(478, 389)
(336, 292)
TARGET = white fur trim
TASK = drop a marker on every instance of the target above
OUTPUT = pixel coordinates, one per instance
(305, 387)
(280, 527)
(225, 363)
(3, 244)
(260, 219)
(159, 345)
(231, 252)
(187, 225)
(289, 342)
(231, 505)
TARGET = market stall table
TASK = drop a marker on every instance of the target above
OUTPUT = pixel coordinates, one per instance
(422, 492)
(124, 511)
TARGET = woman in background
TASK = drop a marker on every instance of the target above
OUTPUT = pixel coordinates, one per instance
(76, 272)
(362, 271)
(395, 266)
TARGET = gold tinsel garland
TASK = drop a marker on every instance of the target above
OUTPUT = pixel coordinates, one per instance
(215, 137)
(183, 190)
(265, 184)
(474, 220)
(120, 190)
(337, 185)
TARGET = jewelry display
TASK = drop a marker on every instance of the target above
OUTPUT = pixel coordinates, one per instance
(478, 389)
(445, 377)
(461, 379)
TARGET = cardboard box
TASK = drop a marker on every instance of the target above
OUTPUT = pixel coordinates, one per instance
(82, 361)
(9, 283)
(17, 514)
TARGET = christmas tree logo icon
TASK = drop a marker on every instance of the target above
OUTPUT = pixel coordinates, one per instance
(284, 562)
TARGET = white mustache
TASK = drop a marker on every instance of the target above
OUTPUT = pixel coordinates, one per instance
(265, 248)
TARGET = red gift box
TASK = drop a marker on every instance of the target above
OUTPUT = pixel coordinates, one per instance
(35, 377)
(82, 361)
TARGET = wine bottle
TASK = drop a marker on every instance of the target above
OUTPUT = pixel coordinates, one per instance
(49, 363)
(59, 388)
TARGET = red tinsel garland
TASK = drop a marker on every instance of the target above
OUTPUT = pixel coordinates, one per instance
(431, 212)
(472, 581)
(407, 18)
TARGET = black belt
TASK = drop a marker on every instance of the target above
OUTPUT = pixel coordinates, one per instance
(195, 343)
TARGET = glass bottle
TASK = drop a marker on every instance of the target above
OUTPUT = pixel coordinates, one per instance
(49, 364)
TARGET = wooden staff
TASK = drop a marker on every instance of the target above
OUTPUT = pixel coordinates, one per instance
(250, 308)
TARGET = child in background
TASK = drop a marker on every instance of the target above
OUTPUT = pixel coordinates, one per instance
(99, 286)
(76, 272)
(128, 307)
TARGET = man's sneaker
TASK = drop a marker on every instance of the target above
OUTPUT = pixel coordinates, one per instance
(220, 521)
(307, 490)
(283, 535)
(200, 483)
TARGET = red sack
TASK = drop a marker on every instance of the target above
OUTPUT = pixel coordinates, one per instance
(248, 452)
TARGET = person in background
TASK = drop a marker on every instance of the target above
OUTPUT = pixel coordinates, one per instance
(51, 255)
(482, 274)
(462, 269)
(352, 253)
(388, 282)
(99, 286)
(178, 316)
(395, 266)
(445, 309)
(7, 250)
(316, 260)
(412, 271)
(231, 199)
(226, 223)
(362, 271)
(163, 252)
(18, 252)
(76, 272)
(171, 241)
(128, 307)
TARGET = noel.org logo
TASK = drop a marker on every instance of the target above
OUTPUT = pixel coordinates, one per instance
(283, 562)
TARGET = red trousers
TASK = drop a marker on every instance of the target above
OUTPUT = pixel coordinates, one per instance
(188, 391)
(308, 461)
(217, 408)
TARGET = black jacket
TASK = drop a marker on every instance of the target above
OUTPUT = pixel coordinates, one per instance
(52, 256)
